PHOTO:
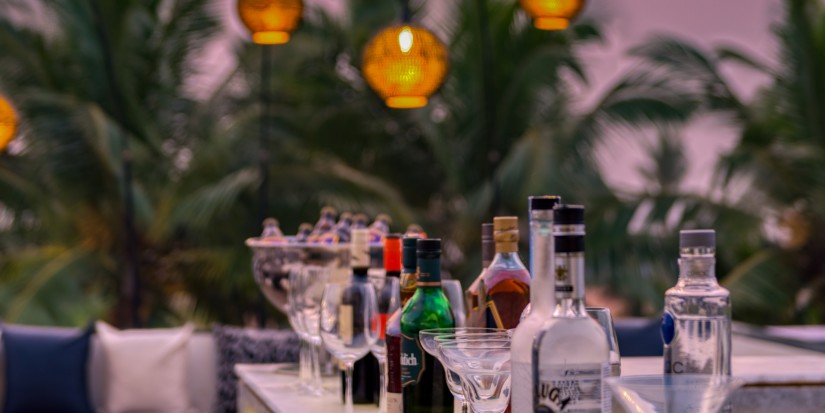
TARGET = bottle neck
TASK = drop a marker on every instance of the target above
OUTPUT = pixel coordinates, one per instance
(542, 292)
(697, 266)
(360, 274)
(569, 285)
(395, 274)
(429, 272)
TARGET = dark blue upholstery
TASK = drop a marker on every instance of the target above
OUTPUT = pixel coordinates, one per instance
(46, 369)
(639, 337)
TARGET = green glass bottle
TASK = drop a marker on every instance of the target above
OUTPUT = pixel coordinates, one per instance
(424, 384)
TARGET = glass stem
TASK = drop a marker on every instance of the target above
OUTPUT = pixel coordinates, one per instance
(465, 407)
(315, 379)
(348, 388)
(304, 363)
(382, 388)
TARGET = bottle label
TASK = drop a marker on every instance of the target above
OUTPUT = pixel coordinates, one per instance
(395, 403)
(345, 324)
(429, 272)
(573, 388)
(412, 361)
(569, 275)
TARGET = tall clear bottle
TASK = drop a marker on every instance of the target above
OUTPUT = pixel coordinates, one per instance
(571, 351)
(506, 281)
(393, 339)
(424, 384)
(542, 301)
(697, 318)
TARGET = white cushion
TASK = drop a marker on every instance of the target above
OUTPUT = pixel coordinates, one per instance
(146, 369)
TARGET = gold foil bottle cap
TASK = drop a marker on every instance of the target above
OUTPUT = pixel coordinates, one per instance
(506, 233)
(328, 210)
(270, 221)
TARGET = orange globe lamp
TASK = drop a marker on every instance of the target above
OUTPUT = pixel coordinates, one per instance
(552, 14)
(405, 64)
(270, 21)
(8, 123)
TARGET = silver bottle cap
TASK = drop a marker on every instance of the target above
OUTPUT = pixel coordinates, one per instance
(697, 238)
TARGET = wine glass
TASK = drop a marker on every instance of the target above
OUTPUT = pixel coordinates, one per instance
(484, 367)
(428, 339)
(676, 393)
(389, 300)
(602, 316)
(308, 286)
(347, 314)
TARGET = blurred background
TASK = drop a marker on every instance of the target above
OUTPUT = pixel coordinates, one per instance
(655, 115)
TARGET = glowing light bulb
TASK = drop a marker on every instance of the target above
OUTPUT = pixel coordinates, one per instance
(405, 40)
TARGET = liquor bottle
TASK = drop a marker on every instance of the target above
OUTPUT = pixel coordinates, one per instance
(303, 232)
(272, 231)
(696, 322)
(424, 385)
(571, 351)
(476, 297)
(506, 280)
(415, 230)
(409, 272)
(324, 224)
(541, 301)
(394, 394)
(340, 232)
(379, 228)
(365, 372)
(359, 221)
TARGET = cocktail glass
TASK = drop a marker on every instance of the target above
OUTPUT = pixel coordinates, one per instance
(677, 393)
(484, 368)
(428, 343)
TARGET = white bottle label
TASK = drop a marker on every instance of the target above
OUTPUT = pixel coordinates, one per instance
(521, 390)
(345, 324)
(574, 388)
(394, 403)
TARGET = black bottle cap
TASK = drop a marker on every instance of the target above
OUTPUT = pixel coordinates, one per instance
(568, 215)
(543, 203)
(408, 245)
(429, 245)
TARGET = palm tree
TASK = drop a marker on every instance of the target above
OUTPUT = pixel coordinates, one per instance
(774, 174)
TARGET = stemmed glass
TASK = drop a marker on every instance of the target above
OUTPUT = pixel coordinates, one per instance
(389, 300)
(428, 340)
(293, 307)
(484, 367)
(307, 285)
(676, 393)
(347, 314)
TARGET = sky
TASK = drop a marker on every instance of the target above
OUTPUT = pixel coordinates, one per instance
(745, 24)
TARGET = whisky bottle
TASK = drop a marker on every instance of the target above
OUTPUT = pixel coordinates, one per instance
(541, 300)
(393, 334)
(571, 352)
(424, 384)
(476, 297)
(506, 281)
(409, 272)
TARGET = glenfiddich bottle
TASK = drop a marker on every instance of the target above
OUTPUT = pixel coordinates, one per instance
(393, 340)
(424, 385)
(506, 280)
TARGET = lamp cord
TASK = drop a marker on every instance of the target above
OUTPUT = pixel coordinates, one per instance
(406, 13)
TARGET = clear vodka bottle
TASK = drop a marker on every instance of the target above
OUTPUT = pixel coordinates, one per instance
(571, 355)
(542, 301)
(697, 317)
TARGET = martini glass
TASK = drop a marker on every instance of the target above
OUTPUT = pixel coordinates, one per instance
(484, 368)
(428, 343)
(677, 393)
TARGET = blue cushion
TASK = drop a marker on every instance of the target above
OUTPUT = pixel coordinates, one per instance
(46, 369)
(639, 337)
